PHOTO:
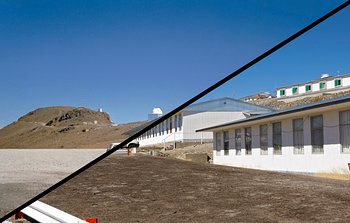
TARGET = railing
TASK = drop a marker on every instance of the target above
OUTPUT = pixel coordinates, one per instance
(45, 213)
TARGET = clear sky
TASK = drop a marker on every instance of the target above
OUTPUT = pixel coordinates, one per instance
(128, 56)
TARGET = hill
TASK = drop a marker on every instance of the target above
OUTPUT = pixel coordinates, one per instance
(63, 127)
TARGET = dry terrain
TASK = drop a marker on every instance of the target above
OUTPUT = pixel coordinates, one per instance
(63, 127)
(151, 189)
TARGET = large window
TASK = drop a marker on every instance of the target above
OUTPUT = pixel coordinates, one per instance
(248, 140)
(344, 129)
(238, 141)
(226, 143)
(298, 136)
(218, 143)
(277, 138)
(263, 140)
(317, 134)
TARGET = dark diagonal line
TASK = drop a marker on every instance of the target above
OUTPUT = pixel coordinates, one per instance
(181, 107)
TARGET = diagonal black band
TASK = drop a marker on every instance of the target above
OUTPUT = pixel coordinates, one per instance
(181, 107)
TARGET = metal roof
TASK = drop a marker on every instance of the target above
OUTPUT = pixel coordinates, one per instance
(227, 104)
(319, 104)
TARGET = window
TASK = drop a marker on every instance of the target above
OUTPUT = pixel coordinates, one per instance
(171, 124)
(295, 90)
(248, 140)
(180, 122)
(226, 143)
(298, 136)
(308, 87)
(167, 126)
(317, 134)
(238, 141)
(175, 123)
(344, 128)
(277, 138)
(322, 85)
(263, 140)
(282, 92)
(218, 143)
(337, 82)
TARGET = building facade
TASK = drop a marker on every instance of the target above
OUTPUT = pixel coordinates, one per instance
(182, 126)
(325, 84)
(310, 138)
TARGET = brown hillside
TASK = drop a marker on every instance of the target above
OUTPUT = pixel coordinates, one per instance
(63, 127)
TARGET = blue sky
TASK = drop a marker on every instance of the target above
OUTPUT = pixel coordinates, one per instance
(130, 56)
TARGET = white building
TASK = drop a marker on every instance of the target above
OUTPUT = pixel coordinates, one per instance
(325, 84)
(310, 138)
(182, 126)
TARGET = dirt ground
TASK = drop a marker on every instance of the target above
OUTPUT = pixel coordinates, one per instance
(142, 188)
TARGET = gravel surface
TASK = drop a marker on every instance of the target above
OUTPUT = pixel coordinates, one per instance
(25, 173)
(142, 188)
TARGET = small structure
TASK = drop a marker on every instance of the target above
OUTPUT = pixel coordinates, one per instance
(309, 138)
(326, 84)
(259, 96)
(156, 113)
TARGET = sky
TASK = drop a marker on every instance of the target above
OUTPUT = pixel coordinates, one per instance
(128, 56)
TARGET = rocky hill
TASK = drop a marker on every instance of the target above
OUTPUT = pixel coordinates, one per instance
(63, 127)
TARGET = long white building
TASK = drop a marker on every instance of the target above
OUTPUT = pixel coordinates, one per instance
(182, 126)
(310, 138)
(326, 84)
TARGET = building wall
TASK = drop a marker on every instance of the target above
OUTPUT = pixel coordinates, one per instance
(193, 122)
(332, 160)
(168, 135)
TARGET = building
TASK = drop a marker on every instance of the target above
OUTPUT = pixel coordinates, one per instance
(182, 126)
(309, 138)
(326, 84)
(261, 95)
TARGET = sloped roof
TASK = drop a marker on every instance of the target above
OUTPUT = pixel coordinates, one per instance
(275, 113)
(227, 104)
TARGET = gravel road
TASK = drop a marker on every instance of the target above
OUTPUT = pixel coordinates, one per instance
(25, 173)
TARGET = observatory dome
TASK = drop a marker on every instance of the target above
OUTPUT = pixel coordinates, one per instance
(157, 111)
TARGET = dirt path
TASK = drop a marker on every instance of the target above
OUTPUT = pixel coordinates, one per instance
(150, 189)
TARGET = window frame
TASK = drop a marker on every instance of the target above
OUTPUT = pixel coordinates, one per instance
(218, 143)
(277, 150)
(238, 141)
(264, 148)
(248, 140)
(341, 127)
(295, 90)
(298, 149)
(337, 84)
(313, 137)
(226, 143)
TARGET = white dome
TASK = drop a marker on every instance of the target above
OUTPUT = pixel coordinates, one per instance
(157, 111)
